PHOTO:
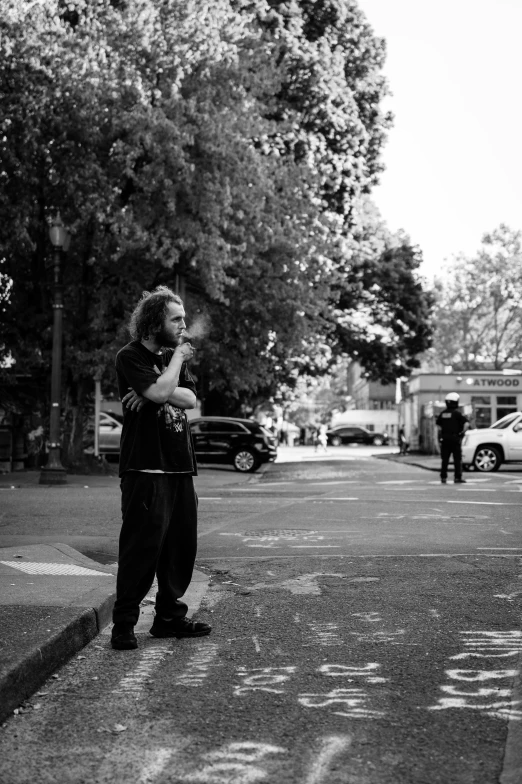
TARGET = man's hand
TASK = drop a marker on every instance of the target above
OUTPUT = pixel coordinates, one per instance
(185, 351)
(133, 401)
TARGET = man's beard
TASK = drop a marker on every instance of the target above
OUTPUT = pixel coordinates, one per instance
(166, 340)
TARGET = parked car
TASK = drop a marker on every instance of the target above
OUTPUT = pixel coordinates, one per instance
(243, 443)
(487, 448)
(344, 434)
(109, 433)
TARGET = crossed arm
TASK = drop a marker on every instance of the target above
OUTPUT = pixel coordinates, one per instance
(181, 398)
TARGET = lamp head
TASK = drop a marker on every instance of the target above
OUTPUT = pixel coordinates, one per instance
(58, 233)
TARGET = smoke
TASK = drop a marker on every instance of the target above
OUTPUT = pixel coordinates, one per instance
(199, 328)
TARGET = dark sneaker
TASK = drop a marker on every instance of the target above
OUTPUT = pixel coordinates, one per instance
(123, 637)
(443, 481)
(460, 481)
(179, 628)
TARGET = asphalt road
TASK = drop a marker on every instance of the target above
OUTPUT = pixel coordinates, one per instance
(366, 629)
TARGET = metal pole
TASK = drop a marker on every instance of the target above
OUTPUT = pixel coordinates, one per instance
(54, 473)
(97, 408)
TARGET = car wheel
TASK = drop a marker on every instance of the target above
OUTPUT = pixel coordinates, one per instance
(245, 461)
(336, 441)
(487, 458)
(377, 441)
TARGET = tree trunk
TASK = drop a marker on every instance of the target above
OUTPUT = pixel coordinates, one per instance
(77, 407)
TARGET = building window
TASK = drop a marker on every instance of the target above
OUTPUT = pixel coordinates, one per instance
(482, 410)
(506, 404)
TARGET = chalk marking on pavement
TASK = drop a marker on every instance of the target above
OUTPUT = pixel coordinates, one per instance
(370, 617)
(324, 634)
(330, 748)
(485, 698)
(395, 638)
(367, 671)
(352, 698)
(149, 661)
(155, 763)
(262, 679)
(199, 664)
(233, 764)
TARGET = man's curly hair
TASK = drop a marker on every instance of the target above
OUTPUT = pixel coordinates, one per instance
(149, 314)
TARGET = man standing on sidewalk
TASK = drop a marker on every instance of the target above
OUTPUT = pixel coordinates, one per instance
(451, 425)
(157, 463)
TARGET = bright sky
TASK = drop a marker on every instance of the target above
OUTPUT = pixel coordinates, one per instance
(453, 158)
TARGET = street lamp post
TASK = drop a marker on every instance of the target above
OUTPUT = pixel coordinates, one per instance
(54, 473)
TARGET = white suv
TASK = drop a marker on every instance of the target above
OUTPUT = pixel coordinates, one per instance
(487, 448)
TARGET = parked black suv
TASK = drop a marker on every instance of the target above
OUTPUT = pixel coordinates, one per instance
(241, 442)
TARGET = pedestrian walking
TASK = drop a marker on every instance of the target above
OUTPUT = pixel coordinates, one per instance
(404, 444)
(451, 426)
(157, 464)
(321, 439)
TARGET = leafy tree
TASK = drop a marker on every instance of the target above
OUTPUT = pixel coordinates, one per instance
(478, 314)
(139, 128)
(380, 310)
(331, 91)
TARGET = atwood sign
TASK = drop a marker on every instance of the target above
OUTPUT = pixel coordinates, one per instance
(493, 382)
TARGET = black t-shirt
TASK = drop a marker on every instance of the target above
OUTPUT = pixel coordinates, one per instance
(156, 438)
(451, 422)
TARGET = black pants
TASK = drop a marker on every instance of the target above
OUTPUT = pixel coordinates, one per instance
(448, 447)
(158, 536)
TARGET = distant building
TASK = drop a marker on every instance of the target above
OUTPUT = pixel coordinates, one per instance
(370, 403)
(369, 395)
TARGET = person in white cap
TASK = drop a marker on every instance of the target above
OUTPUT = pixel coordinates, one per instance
(451, 426)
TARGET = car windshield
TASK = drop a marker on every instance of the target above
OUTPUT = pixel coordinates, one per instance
(504, 422)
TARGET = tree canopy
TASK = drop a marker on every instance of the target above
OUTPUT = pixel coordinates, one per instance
(478, 313)
(226, 147)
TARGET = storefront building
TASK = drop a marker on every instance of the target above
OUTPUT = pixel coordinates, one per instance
(485, 397)
(370, 404)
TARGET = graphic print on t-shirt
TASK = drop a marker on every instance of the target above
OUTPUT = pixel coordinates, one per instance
(174, 417)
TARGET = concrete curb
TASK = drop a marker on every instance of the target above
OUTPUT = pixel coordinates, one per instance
(26, 675)
(408, 461)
